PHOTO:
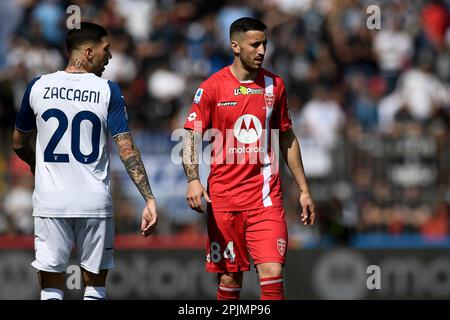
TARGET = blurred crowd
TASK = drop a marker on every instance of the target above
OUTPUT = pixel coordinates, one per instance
(370, 106)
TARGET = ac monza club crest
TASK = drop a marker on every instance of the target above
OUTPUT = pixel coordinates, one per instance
(247, 129)
(269, 98)
(281, 244)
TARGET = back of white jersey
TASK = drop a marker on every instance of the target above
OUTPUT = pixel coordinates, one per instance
(72, 113)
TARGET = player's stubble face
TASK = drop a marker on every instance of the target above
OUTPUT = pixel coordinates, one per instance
(101, 57)
(252, 49)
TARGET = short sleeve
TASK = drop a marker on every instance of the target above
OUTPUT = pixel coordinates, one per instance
(283, 120)
(26, 119)
(117, 116)
(199, 117)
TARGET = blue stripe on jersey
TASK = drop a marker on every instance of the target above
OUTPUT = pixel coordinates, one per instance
(117, 117)
(26, 120)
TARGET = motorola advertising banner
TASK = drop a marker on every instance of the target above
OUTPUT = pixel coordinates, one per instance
(309, 274)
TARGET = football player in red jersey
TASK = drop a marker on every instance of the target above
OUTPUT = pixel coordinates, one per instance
(244, 105)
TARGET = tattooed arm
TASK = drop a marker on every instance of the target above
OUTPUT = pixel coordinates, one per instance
(132, 161)
(190, 155)
(23, 147)
(195, 190)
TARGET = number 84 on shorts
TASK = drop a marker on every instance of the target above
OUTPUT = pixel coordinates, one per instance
(216, 255)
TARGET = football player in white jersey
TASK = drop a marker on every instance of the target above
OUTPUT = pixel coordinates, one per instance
(72, 113)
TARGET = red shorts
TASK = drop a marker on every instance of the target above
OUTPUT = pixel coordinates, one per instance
(233, 235)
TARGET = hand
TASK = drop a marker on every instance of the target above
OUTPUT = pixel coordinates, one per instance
(149, 218)
(308, 214)
(194, 195)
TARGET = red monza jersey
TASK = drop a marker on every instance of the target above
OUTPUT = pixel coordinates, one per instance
(242, 117)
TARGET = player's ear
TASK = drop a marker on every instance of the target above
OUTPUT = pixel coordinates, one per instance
(89, 52)
(235, 47)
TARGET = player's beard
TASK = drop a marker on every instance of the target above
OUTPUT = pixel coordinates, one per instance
(99, 71)
(249, 64)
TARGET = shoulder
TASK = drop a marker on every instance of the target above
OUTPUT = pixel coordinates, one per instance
(115, 95)
(208, 87)
(216, 78)
(277, 80)
(109, 88)
(50, 77)
(32, 85)
(34, 80)
(113, 86)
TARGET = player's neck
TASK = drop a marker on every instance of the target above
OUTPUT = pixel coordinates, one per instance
(76, 65)
(241, 73)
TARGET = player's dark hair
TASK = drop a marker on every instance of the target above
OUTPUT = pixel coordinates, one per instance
(246, 24)
(88, 32)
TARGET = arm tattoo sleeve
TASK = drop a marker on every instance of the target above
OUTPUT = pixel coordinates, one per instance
(132, 161)
(190, 155)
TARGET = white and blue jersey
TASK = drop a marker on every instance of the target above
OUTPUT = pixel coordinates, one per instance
(73, 113)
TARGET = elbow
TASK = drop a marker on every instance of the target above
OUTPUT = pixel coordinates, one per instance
(18, 147)
(21, 141)
(17, 141)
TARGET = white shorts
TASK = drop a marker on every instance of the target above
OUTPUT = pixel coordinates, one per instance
(55, 237)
